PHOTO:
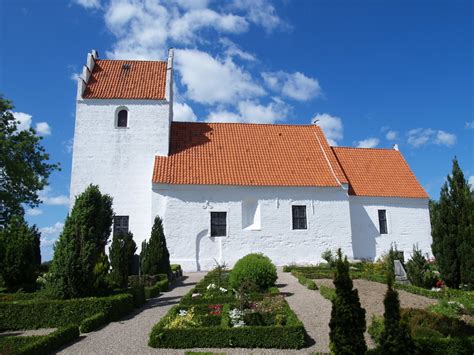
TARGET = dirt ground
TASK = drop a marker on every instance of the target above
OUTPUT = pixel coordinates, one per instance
(371, 296)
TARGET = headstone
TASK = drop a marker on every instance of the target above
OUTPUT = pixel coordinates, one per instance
(400, 273)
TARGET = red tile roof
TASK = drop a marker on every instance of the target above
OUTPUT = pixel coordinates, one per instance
(378, 172)
(248, 154)
(142, 80)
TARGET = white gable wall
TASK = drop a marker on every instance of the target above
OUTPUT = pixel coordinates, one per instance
(120, 160)
(408, 223)
(186, 209)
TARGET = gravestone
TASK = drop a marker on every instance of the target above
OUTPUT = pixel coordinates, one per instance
(400, 273)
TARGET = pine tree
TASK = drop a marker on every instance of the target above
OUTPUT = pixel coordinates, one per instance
(347, 324)
(396, 338)
(155, 255)
(20, 256)
(452, 228)
(80, 264)
(121, 254)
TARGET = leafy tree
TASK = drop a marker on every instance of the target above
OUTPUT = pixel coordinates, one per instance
(155, 255)
(121, 254)
(80, 265)
(396, 338)
(452, 228)
(347, 324)
(19, 254)
(23, 163)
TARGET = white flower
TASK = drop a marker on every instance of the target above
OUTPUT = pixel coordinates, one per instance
(223, 290)
(182, 312)
(240, 323)
(195, 295)
(211, 286)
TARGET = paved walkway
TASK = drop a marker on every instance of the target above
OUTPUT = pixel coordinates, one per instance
(130, 335)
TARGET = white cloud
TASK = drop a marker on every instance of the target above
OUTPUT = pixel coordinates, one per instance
(43, 128)
(419, 137)
(445, 138)
(331, 126)
(391, 135)
(296, 86)
(50, 234)
(471, 182)
(88, 4)
(183, 112)
(253, 112)
(34, 212)
(209, 80)
(469, 125)
(46, 197)
(368, 143)
(24, 120)
(232, 50)
(262, 13)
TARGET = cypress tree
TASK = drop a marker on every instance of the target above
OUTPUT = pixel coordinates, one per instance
(20, 256)
(452, 228)
(80, 265)
(347, 324)
(156, 258)
(121, 254)
(396, 338)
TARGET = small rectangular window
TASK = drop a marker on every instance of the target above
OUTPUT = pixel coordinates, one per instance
(299, 217)
(383, 221)
(218, 224)
(120, 224)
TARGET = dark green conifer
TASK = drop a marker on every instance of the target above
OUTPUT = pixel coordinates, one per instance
(347, 324)
(121, 254)
(155, 258)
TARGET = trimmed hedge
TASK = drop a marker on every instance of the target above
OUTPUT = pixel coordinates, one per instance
(57, 313)
(257, 269)
(39, 345)
(289, 336)
(160, 286)
(93, 323)
(327, 292)
(310, 284)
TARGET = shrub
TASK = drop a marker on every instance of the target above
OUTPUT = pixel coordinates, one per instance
(121, 254)
(57, 313)
(80, 265)
(160, 286)
(327, 292)
(19, 254)
(155, 258)
(39, 345)
(93, 323)
(310, 284)
(329, 257)
(255, 268)
(395, 338)
(347, 324)
(419, 271)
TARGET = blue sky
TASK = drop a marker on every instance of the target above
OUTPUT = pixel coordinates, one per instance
(373, 72)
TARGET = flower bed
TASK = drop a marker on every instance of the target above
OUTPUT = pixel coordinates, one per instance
(211, 315)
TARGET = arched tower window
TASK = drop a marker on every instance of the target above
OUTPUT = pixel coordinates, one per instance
(122, 118)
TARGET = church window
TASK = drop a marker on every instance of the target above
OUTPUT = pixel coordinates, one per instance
(299, 217)
(122, 118)
(120, 224)
(383, 222)
(218, 224)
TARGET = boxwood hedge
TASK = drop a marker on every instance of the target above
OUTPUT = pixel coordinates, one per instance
(93, 323)
(34, 314)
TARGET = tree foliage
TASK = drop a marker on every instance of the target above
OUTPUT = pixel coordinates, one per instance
(80, 265)
(347, 324)
(24, 162)
(155, 258)
(452, 228)
(19, 254)
(396, 337)
(121, 254)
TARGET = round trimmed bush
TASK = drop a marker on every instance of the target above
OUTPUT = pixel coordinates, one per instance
(257, 269)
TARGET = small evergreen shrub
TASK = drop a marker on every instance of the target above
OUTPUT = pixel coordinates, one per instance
(121, 254)
(93, 323)
(419, 271)
(155, 257)
(329, 257)
(255, 268)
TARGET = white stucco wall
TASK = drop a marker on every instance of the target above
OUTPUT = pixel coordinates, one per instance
(186, 213)
(120, 160)
(408, 223)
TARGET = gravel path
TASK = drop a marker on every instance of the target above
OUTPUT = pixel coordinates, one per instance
(130, 335)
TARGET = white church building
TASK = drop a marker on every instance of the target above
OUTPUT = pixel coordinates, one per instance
(225, 190)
